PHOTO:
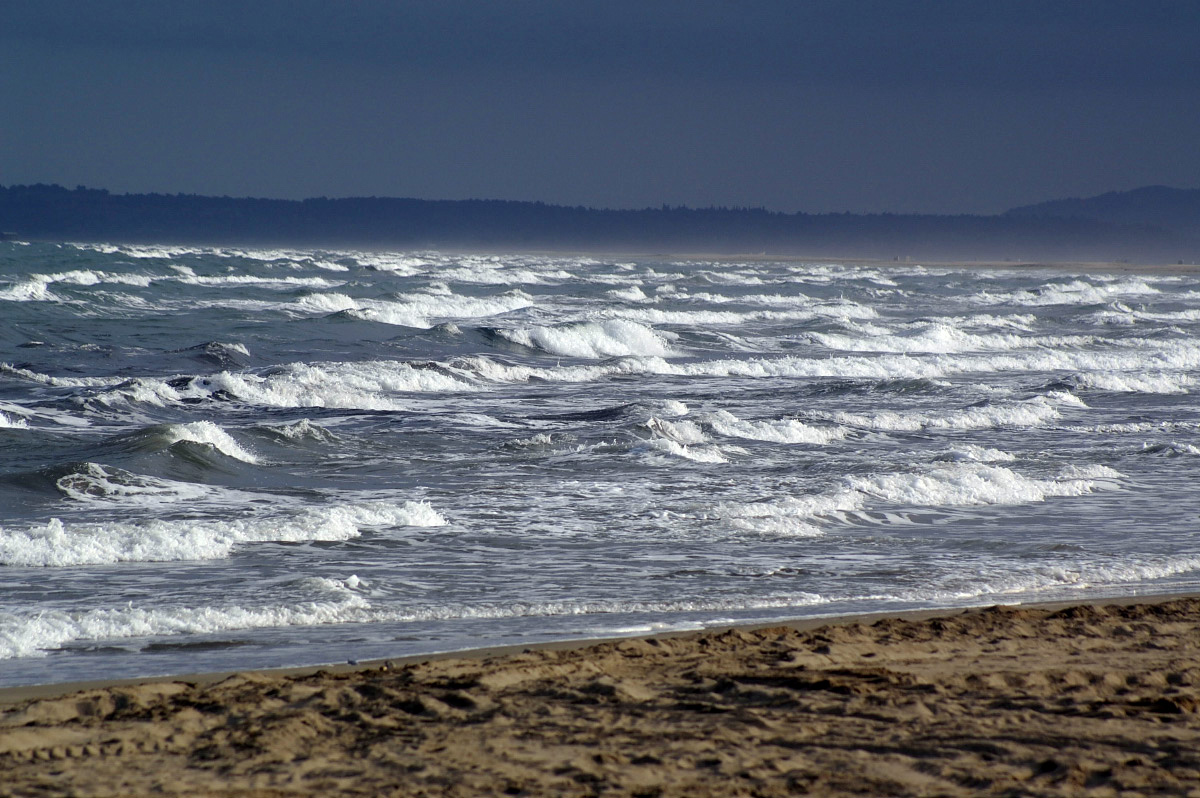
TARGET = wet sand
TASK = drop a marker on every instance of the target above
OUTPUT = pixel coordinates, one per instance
(1091, 699)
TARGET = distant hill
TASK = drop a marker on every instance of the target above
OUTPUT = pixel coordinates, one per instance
(51, 212)
(1172, 209)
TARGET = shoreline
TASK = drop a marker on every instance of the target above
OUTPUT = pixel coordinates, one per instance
(19, 693)
(1073, 698)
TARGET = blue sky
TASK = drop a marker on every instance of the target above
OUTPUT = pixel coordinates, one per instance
(904, 106)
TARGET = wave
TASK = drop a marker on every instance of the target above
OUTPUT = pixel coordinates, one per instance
(12, 422)
(204, 433)
(1139, 356)
(612, 338)
(680, 439)
(963, 482)
(844, 312)
(416, 310)
(221, 355)
(970, 483)
(21, 373)
(633, 293)
(1040, 578)
(281, 282)
(788, 430)
(324, 600)
(299, 431)
(1034, 412)
(944, 339)
(96, 482)
(56, 544)
(364, 385)
(1171, 449)
(25, 634)
(793, 516)
(1075, 292)
(978, 454)
(36, 287)
(1135, 383)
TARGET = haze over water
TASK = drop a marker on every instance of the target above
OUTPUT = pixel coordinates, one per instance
(215, 459)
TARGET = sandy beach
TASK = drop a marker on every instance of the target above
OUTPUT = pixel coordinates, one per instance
(1096, 699)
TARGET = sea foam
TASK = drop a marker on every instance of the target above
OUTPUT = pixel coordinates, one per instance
(208, 434)
(59, 544)
(611, 338)
(788, 430)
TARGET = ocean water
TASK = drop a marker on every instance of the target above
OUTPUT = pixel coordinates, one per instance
(218, 458)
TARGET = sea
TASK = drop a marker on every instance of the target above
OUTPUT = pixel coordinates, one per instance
(226, 458)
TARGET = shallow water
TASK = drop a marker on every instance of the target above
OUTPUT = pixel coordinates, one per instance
(215, 459)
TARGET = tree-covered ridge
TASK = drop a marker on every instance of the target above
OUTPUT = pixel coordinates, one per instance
(54, 212)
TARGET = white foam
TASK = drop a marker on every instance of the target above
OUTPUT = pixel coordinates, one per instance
(498, 273)
(685, 432)
(695, 453)
(538, 441)
(792, 516)
(365, 385)
(1034, 412)
(304, 430)
(972, 483)
(787, 430)
(34, 634)
(23, 635)
(280, 282)
(59, 382)
(1173, 447)
(672, 407)
(1160, 383)
(1075, 292)
(611, 338)
(36, 287)
(966, 481)
(978, 454)
(56, 544)
(13, 422)
(32, 290)
(633, 293)
(840, 309)
(96, 482)
(1032, 578)
(943, 338)
(417, 310)
(682, 439)
(209, 434)
(1136, 356)
(702, 318)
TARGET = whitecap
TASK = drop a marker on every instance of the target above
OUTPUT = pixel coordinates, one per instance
(1160, 383)
(1075, 292)
(610, 338)
(792, 516)
(787, 430)
(208, 434)
(7, 422)
(97, 482)
(416, 310)
(1034, 412)
(973, 483)
(57, 544)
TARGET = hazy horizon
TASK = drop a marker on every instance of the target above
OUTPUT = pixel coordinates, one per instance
(819, 107)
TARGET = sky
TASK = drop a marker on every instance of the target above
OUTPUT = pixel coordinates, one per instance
(794, 105)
